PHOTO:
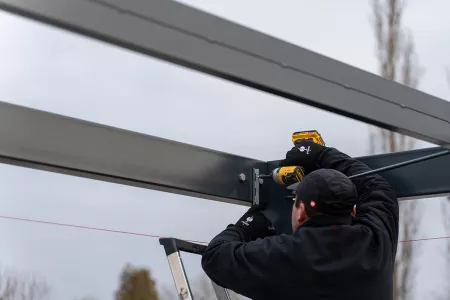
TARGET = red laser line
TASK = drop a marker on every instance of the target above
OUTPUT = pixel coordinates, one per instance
(158, 236)
(91, 228)
(426, 239)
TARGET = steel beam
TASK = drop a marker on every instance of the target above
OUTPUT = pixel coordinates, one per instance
(189, 37)
(47, 141)
(421, 180)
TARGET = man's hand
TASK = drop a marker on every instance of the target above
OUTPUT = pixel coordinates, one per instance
(305, 154)
(255, 225)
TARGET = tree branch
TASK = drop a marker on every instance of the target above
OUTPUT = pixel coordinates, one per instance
(397, 62)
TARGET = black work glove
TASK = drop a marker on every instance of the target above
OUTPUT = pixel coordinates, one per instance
(306, 154)
(253, 224)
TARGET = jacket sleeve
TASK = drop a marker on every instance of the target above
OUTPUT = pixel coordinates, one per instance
(239, 265)
(377, 204)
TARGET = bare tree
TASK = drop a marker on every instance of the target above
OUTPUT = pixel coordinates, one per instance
(446, 218)
(15, 286)
(444, 294)
(397, 62)
(446, 210)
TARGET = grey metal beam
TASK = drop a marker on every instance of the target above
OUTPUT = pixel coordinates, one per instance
(422, 180)
(189, 37)
(46, 141)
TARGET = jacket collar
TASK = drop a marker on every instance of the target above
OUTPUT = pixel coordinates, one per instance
(327, 220)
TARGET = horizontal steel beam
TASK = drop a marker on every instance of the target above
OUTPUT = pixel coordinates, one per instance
(189, 37)
(421, 180)
(429, 178)
(47, 141)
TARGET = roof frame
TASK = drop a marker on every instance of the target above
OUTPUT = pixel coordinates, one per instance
(51, 142)
(189, 37)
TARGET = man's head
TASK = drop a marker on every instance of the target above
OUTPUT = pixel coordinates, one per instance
(323, 192)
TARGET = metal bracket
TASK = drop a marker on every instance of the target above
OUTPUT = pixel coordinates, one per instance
(255, 187)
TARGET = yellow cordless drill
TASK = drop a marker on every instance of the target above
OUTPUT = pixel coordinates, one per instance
(293, 174)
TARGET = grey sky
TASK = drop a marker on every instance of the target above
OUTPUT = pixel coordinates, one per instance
(52, 70)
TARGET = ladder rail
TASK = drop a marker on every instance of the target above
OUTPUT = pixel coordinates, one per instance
(221, 293)
(177, 268)
(172, 248)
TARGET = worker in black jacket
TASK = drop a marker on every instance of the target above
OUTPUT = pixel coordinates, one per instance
(344, 239)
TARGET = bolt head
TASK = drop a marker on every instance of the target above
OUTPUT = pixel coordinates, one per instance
(242, 177)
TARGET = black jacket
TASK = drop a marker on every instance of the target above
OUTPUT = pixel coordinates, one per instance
(328, 258)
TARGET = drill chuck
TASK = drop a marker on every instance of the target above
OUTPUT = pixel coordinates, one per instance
(294, 174)
(286, 175)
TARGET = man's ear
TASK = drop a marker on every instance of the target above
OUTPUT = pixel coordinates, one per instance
(302, 217)
(354, 211)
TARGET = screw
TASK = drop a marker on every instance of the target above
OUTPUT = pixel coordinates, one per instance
(242, 177)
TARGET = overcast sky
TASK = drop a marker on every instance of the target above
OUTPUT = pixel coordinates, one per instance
(49, 69)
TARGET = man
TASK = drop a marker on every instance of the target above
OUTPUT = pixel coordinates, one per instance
(335, 251)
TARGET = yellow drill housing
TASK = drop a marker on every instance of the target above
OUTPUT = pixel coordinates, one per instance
(293, 174)
(312, 135)
(288, 175)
